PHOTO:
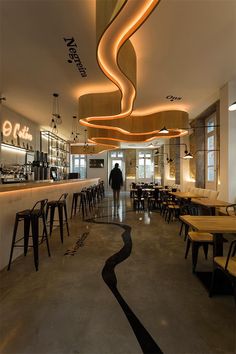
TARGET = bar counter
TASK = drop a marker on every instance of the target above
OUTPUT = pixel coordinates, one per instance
(19, 196)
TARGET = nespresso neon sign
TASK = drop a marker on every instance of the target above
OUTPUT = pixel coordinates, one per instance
(16, 130)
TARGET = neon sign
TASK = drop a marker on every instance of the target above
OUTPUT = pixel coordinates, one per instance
(16, 130)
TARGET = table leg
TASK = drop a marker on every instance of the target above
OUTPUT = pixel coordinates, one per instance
(217, 245)
(213, 211)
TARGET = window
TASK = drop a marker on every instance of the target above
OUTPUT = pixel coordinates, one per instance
(145, 165)
(78, 164)
(117, 154)
(211, 153)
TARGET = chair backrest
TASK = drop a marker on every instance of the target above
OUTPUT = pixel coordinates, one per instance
(231, 209)
(139, 192)
(39, 206)
(156, 193)
(63, 197)
(193, 209)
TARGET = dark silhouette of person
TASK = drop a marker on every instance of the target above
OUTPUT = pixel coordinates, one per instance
(116, 182)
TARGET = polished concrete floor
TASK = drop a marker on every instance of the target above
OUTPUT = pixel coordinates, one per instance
(118, 285)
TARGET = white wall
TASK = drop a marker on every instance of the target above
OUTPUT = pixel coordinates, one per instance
(98, 172)
(227, 178)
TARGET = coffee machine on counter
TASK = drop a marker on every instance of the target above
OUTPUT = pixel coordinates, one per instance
(40, 166)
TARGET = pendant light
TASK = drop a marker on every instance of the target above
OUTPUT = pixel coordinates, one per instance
(75, 130)
(56, 117)
(163, 131)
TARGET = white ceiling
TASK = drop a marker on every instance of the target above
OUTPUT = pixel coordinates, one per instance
(186, 48)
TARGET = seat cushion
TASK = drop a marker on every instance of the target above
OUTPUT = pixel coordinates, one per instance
(231, 268)
(200, 236)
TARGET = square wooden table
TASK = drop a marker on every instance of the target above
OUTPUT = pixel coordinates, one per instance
(212, 204)
(217, 225)
(186, 195)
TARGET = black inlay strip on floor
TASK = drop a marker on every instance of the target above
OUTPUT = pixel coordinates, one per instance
(79, 243)
(146, 342)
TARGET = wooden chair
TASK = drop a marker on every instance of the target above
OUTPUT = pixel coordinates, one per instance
(154, 199)
(138, 201)
(231, 209)
(228, 266)
(198, 239)
(172, 210)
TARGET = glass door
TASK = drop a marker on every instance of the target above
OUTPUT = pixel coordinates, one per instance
(145, 170)
(117, 157)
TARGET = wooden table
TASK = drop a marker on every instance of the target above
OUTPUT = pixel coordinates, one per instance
(212, 204)
(217, 225)
(186, 195)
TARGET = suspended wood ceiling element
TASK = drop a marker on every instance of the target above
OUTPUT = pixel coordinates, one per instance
(108, 116)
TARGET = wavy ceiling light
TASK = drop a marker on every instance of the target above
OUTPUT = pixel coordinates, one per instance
(117, 126)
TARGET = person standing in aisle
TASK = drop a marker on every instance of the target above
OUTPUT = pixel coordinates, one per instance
(116, 182)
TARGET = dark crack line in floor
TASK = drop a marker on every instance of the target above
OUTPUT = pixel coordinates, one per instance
(146, 342)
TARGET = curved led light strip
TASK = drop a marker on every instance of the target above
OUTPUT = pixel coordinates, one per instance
(122, 27)
(132, 15)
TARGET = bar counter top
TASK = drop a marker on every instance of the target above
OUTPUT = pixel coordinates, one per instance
(20, 196)
(35, 184)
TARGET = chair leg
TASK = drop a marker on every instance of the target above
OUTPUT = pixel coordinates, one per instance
(195, 248)
(66, 220)
(181, 228)
(186, 227)
(26, 234)
(52, 212)
(170, 215)
(72, 206)
(45, 234)
(13, 241)
(76, 202)
(60, 214)
(187, 248)
(205, 249)
(35, 234)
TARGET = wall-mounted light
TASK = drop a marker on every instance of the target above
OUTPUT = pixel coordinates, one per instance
(2, 99)
(164, 153)
(163, 131)
(232, 107)
(188, 155)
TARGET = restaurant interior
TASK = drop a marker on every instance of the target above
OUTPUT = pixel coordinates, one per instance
(117, 177)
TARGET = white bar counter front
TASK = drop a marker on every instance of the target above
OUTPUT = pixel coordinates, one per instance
(20, 196)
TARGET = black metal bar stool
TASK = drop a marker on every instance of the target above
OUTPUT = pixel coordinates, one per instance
(60, 204)
(74, 203)
(30, 217)
(83, 203)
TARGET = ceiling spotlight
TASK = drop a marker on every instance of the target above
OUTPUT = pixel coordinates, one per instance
(163, 131)
(232, 107)
(2, 99)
